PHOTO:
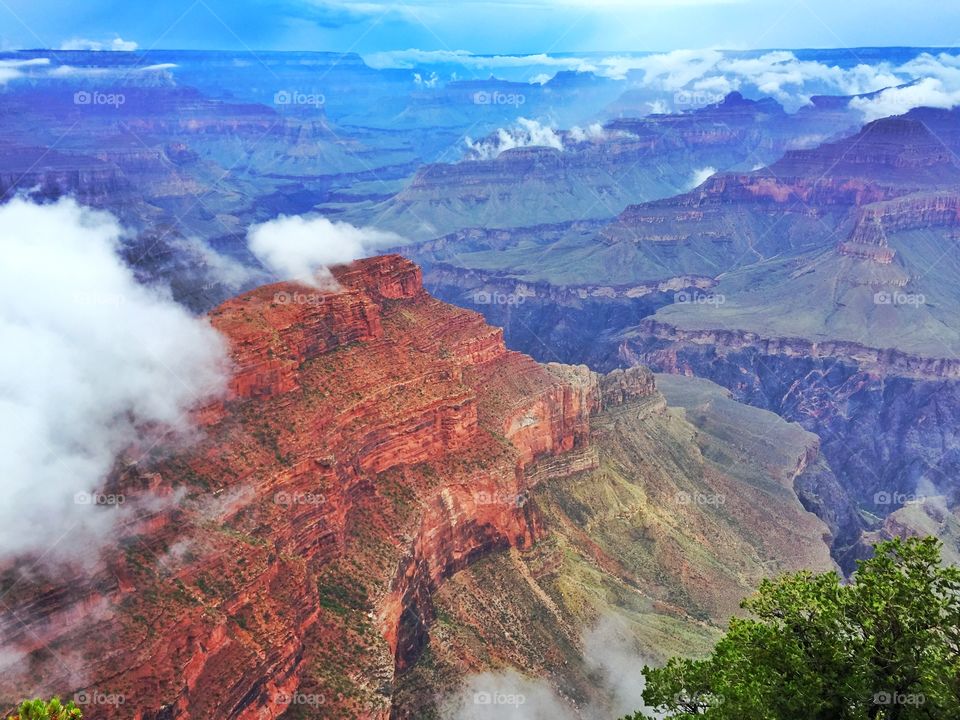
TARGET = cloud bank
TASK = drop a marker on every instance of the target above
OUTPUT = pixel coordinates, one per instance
(700, 176)
(615, 664)
(12, 69)
(299, 248)
(91, 358)
(526, 133)
(711, 73)
(117, 44)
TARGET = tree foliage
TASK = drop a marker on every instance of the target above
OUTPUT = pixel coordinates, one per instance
(38, 709)
(884, 647)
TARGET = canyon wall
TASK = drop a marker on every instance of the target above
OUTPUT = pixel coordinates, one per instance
(374, 442)
(885, 419)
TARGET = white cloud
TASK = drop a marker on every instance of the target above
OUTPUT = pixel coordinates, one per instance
(91, 360)
(526, 133)
(779, 74)
(658, 107)
(610, 651)
(929, 92)
(507, 695)
(231, 273)
(12, 69)
(610, 654)
(117, 44)
(122, 73)
(299, 248)
(669, 71)
(430, 82)
(591, 132)
(409, 59)
(699, 177)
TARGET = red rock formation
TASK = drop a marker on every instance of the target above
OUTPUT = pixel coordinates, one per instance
(375, 443)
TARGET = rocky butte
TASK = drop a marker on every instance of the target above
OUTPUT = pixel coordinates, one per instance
(376, 443)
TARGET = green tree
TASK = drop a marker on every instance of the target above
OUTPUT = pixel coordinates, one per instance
(42, 710)
(884, 647)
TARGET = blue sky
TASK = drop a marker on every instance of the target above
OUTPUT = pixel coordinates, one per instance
(481, 26)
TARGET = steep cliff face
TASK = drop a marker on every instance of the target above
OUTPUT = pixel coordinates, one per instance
(682, 501)
(921, 210)
(296, 559)
(375, 442)
(886, 420)
(55, 174)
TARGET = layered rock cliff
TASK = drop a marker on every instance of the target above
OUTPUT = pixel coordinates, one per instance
(885, 418)
(375, 442)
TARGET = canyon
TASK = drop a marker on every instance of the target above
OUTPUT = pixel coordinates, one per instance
(376, 451)
(820, 287)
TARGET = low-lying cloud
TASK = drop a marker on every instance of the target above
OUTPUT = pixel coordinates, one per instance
(91, 359)
(508, 695)
(700, 176)
(934, 79)
(117, 44)
(526, 133)
(302, 248)
(532, 133)
(612, 658)
(13, 69)
(929, 92)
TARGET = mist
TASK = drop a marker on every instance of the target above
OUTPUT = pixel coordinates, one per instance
(299, 248)
(91, 357)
